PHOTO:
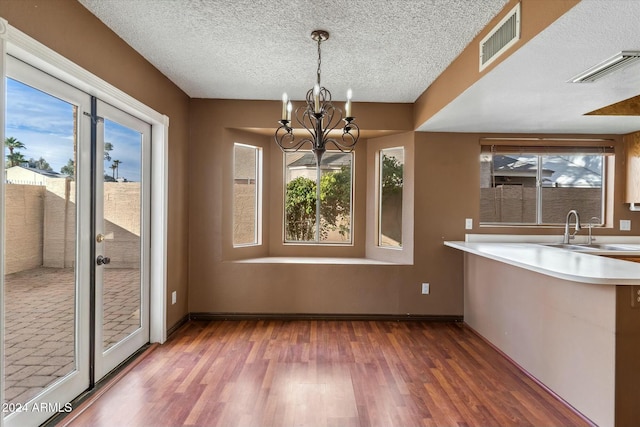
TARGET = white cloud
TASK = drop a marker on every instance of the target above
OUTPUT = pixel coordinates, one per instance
(44, 124)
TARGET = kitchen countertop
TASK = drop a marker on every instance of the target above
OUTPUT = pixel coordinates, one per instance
(578, 266)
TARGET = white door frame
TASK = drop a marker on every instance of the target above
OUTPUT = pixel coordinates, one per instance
(3, 91)
(20, 45)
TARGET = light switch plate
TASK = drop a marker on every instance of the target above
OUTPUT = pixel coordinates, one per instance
(468, 224)
(425, 289)
(174, 297)
(625, 225)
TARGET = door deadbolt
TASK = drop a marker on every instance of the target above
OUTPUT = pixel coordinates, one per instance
(103, 260)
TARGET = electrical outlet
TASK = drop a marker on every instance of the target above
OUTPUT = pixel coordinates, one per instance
(425, 289)
(468, 223)
(174, 297)
(625, 225)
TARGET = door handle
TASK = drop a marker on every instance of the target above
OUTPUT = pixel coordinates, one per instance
(102, 237)
(103, 260)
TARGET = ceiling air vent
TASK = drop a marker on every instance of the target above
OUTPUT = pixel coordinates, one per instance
(616, 62)
(500, 38)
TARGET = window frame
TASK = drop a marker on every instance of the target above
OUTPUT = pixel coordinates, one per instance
(603, 148)
(379, 169)
(258, 214)
(317, 241)
(405, 254)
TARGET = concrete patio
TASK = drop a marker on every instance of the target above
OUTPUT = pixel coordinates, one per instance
(39, 324)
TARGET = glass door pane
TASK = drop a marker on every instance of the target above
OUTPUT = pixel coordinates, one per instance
(40, 278)
(121, 227)
(121, 207)
(46, 320)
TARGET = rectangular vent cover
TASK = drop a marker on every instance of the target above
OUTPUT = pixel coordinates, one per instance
(616, 62)
(500, 38)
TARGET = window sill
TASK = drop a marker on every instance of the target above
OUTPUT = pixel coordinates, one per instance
(315, 260)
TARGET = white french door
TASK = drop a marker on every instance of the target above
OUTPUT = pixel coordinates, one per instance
(76, 244)
(122, 200)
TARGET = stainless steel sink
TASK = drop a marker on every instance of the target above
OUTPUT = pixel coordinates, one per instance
(571, 247)
(595, 247)
(613, 247)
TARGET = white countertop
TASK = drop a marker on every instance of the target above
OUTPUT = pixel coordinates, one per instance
(585, 267)
(314, 260)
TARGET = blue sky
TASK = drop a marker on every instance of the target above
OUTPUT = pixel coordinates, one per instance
(126, 148)
(44, 124)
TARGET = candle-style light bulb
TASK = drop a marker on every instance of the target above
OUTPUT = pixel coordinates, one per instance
(347, 106)
(285, 99)
(289, 108)
(316, 98)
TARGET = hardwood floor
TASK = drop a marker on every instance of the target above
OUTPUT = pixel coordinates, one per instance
(325, 373)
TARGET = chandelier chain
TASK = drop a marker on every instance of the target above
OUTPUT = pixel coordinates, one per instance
(319, 59)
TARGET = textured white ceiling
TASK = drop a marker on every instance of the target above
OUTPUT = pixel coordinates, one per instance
(388, 51)
(528, 92)
(385, 50)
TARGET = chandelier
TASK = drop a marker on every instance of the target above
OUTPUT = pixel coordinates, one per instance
(318, 117)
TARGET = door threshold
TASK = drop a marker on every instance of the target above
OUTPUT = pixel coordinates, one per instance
(89, 397)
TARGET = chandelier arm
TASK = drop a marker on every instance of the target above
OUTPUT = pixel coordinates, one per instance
(352, 138)
(306, 113)
(285, 139)
(325, 95)
(304, 141)
(309, 123)
(341, 146)
(331, 125)
(338, 145)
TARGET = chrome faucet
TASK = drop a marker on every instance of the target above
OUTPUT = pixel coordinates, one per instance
(567, 236)
(593, 221)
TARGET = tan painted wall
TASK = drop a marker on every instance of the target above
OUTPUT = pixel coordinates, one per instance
(244, 219)
(41, 225)
(24, 208)
(199, 239)
(68, 28)
(588, 353)
(59, 224)
(218, 285)
(19, 175)
(121, 217)
(447, 190)
(536, 321)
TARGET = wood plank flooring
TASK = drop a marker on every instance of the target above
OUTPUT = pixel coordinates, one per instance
(325, 373)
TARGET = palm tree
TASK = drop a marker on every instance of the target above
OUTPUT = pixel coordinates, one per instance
(113, 168)
(14, 158)
(116, 163)
(11, 143)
